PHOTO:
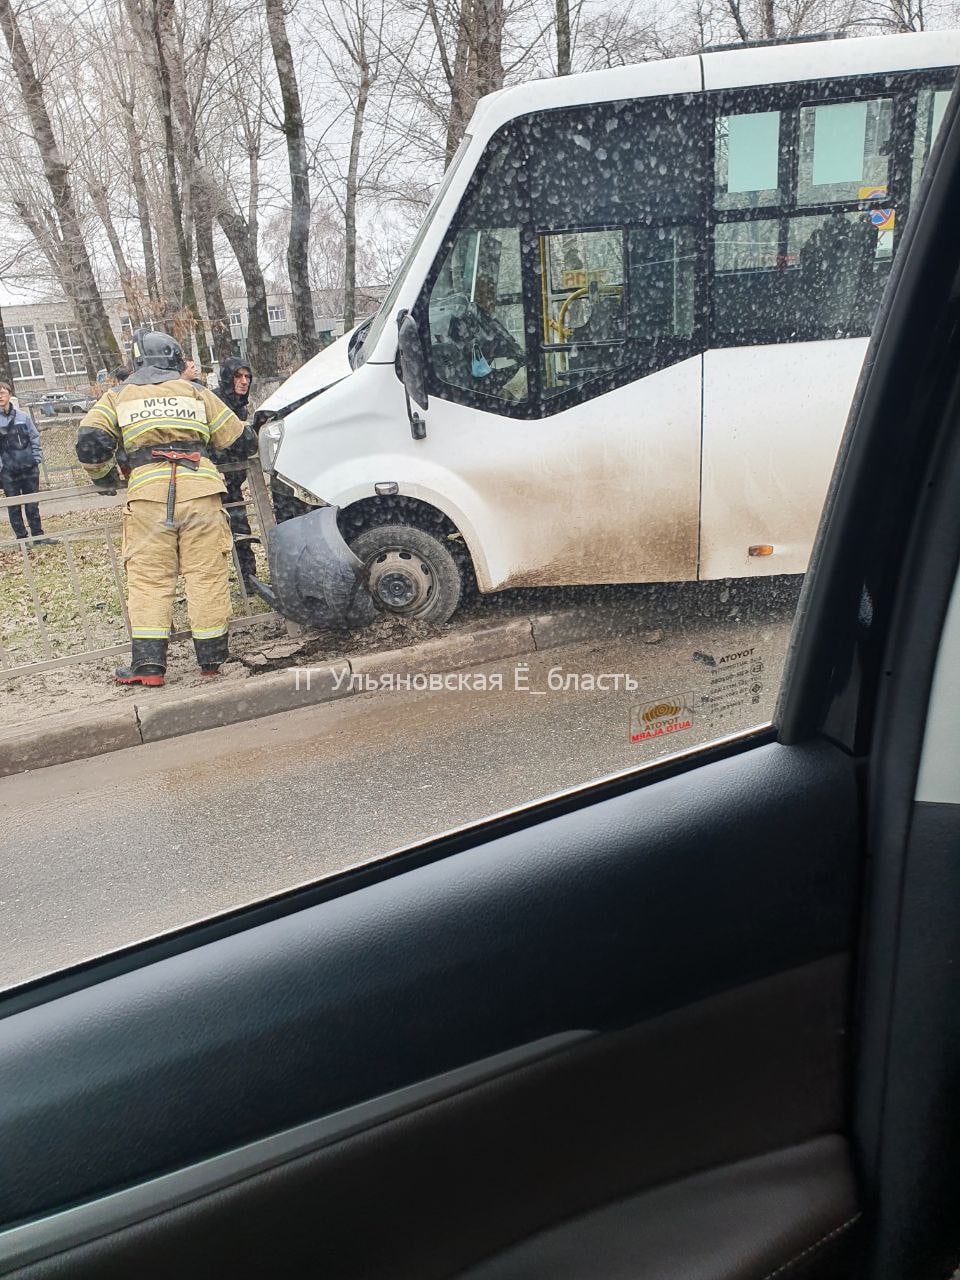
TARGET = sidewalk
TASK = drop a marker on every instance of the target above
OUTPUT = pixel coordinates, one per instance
(78, 711)
(279, 675)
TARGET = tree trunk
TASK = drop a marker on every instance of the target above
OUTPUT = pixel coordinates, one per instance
(162, 16)
(350, 201)
(210, 276)
(92, 313)
(156, 223)
(478, 63)
(6, 373)
(298, 244)
(488, 46)
(139, 182)
(462, 100)
(42, 226)
(260, 347)
(563, 37)
(769, 20)
(101, 203)
(734, 7)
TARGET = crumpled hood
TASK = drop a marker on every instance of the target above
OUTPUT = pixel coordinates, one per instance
(321, 371)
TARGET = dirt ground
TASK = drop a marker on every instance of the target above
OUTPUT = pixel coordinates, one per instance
(80, 604)
(649, 611)
(265, 646)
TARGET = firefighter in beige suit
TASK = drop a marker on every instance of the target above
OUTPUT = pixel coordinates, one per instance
(174, 520)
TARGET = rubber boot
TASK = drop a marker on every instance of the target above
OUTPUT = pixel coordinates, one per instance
(211, 654)
(148, 664)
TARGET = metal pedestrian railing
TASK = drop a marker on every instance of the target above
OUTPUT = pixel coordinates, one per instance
(63, 599)
(58, 440)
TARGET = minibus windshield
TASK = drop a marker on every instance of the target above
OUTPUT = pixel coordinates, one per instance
(369, 340)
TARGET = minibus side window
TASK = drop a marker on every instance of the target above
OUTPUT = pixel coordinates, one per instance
(804, 213)
(931, 104)
(747, 160)
(844, 151)
(584, 312)
(475, 312)
(618, 201)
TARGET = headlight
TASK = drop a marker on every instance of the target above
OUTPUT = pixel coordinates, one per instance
(271, 437)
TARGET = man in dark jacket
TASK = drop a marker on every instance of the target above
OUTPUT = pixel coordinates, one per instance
(20, 458)
(236, 379)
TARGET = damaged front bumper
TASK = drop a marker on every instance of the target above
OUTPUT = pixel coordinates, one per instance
(315, 579)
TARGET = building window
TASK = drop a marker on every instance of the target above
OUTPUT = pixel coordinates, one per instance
(236, 323)
(126, 328)
(277, 315)
(65, 349)
(24, 352)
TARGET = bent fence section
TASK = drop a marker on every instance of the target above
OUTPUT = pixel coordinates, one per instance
(63, 601)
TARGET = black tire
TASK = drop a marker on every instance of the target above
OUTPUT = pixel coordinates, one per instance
(410, 573)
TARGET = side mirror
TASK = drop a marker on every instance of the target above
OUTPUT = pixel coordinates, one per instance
(413, 370)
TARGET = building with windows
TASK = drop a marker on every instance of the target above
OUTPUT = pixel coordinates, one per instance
(326, 310)
(46, 353)
(44, 346)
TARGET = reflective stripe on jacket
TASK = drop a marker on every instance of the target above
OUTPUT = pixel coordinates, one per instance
(135, 417)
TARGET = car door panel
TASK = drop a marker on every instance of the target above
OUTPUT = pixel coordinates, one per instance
(614, 495)
(586, 922)
(736, 1075)
(768, 457)
(739, 1221)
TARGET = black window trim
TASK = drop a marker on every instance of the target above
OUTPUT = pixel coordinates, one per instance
(537, 407)
(901, 86)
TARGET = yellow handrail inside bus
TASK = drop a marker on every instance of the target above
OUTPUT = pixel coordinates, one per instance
(562, 331)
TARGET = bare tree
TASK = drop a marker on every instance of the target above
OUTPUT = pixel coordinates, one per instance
(475, 66)
(563, 37)
(298, 246)
(238, 119)
(356, 60)
(782, 19)
(160, 48)
(124, 82)
(189, 120)
(194, 200)
(617, 36)
(85, 290)
(101, 202)
(899, 15)
(116, 149)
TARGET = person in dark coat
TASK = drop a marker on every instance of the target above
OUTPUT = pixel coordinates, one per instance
(20, 458)
(236, 380)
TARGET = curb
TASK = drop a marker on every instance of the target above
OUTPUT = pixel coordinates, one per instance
(76, 735)
(71, 735)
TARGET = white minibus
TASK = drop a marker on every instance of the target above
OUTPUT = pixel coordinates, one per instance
(623, 344)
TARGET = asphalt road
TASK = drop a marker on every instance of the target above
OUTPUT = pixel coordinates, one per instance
(104, 852)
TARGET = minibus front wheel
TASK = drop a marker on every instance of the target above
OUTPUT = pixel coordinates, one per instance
(409, 573)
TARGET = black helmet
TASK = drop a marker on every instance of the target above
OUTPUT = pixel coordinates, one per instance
(159, 350)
